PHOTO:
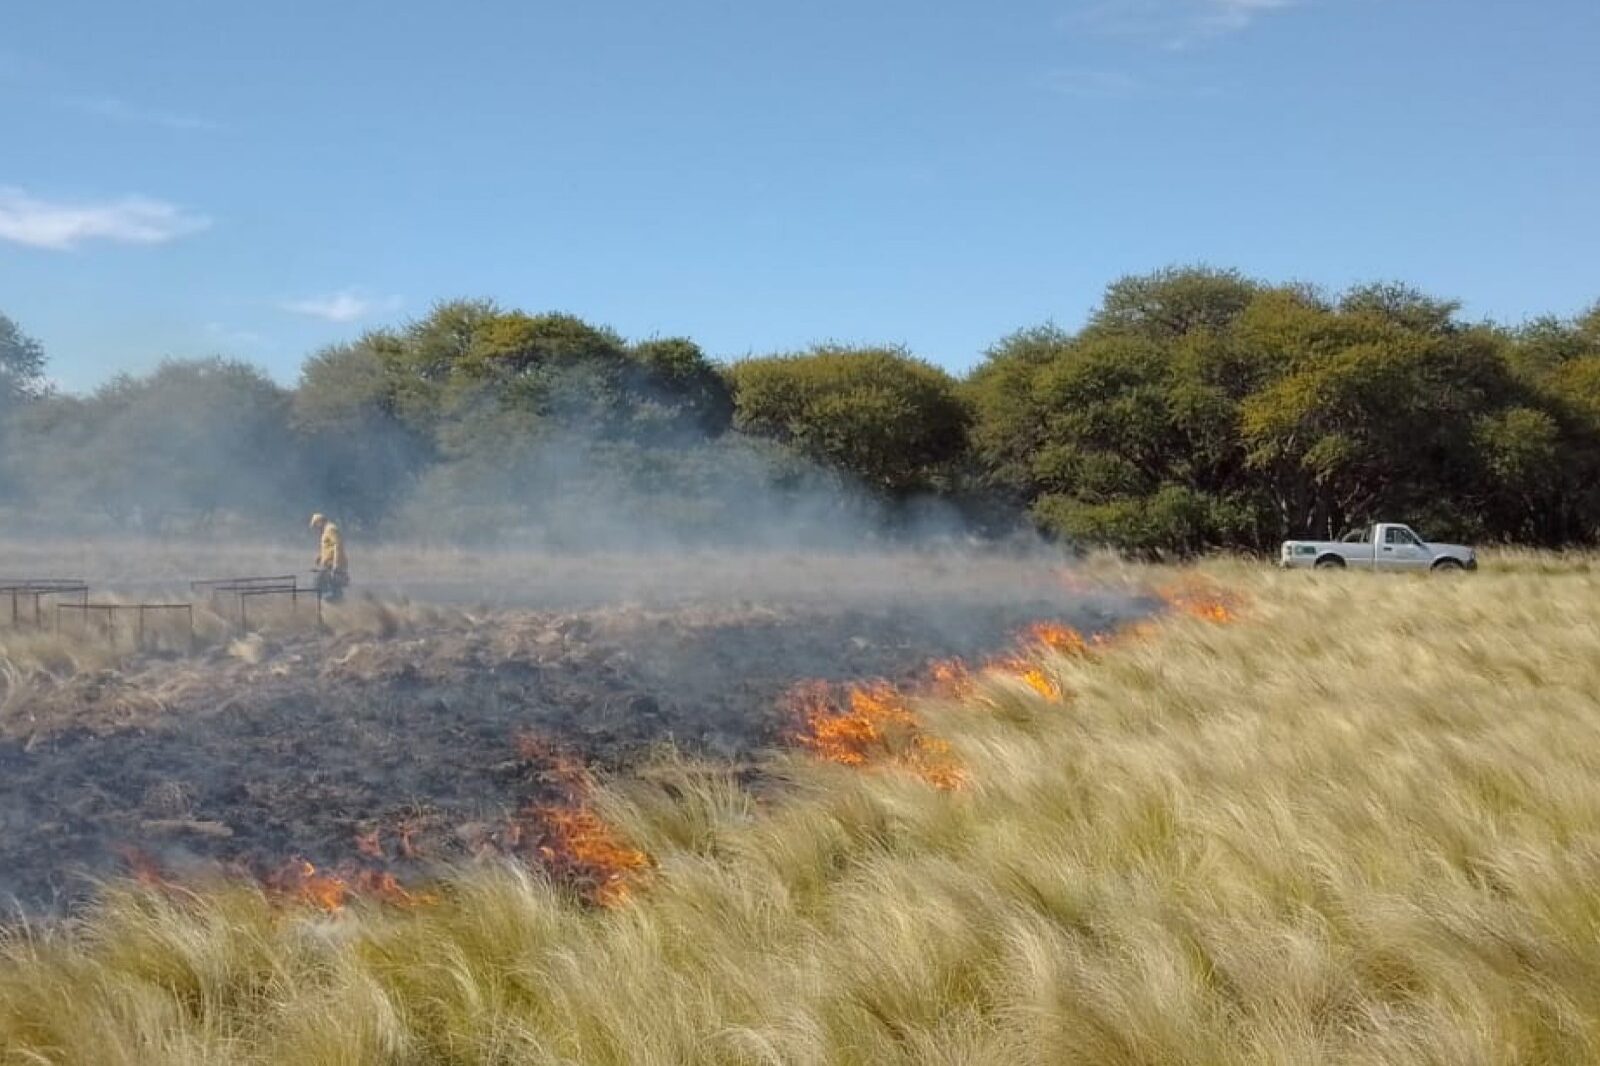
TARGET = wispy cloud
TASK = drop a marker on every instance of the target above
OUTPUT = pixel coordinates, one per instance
(121, 111)
(347, 305)
(1227, 16)
(62, 225)
(1174, 24)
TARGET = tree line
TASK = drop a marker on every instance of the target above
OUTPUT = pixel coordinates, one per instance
(1195, 409)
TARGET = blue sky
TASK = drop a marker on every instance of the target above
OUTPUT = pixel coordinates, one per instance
(192, 178)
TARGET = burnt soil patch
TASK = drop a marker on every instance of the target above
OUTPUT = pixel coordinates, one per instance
(403, 749)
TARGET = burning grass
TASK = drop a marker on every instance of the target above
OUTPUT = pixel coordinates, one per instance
(866, 724)
(874, 723)
(566, 837)
(385, 744)
(1360, 824)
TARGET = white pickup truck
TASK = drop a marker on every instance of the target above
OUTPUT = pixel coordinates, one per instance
(1384, 546)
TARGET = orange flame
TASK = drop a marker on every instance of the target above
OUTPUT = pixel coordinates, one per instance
(578, 847)
(568, 838)
(299, 881)
(1042, 683)
(950, 678)
(871, 724)
(1061, 639)
(557, 767)
(382, 885)
(933, 760)
(857, 732)
(874, 724)
(1200, 599)
(143, 867)
(1029, 672)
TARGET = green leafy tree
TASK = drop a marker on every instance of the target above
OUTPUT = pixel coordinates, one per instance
(680, 389)
(1126, 434)
(1174, 302)
(1199, 408)
(1520, 450)
(361, 454)
(1373, 415)
(1559, 361)
(894, 422)
(1401, 305)
(503, 411)
(1008, 427)
(22, 363)
(191, 442)
(22, 384)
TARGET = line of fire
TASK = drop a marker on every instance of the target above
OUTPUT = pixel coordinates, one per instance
(337, 763)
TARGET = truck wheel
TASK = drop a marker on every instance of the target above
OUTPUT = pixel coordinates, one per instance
(1448, 566)
(1330, 562)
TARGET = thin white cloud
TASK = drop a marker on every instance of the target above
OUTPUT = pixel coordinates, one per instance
(1228, 16)
(121, 111)
(61, 225)
(347, 305)
(1175, 24)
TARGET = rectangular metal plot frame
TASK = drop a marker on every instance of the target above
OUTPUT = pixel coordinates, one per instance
(215, 585)
(293, 591)
(37, 588)
(140, 611)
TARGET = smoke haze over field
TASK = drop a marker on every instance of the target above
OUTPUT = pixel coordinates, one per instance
(580, 548)
(480, 427)
(929, 577)
(1197, 409)
(404, 715)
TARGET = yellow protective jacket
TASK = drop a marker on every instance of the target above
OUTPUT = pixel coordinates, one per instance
(330, 556)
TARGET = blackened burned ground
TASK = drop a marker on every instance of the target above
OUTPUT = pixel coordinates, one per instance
(318, 740)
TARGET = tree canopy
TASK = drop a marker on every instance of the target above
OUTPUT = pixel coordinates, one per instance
(1201, 409)
(1196, 408)
(897, 423)
(22, 363)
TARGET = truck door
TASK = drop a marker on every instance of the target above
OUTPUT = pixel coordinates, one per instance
(1368, 559)
(1401, 550)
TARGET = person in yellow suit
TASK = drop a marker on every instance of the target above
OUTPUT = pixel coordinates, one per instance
(333, 569)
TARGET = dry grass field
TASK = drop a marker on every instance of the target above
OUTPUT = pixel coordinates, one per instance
(1352, 819)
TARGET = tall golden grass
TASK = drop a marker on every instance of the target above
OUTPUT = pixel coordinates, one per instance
(1361, 825)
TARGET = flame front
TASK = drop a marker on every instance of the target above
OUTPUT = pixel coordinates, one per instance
(299, 881)
(857, 730)
(567, 837)
(870, 724)
(143, 867)
(865, 724)
(578, 847)
(873, 723)
(1199, 598)
(1059, 638)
